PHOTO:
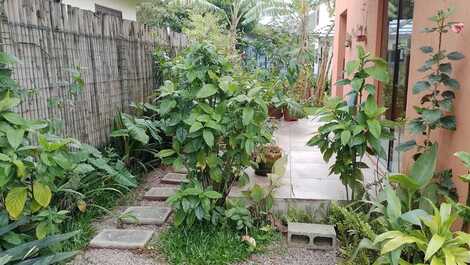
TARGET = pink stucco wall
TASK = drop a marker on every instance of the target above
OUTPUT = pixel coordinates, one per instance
(449, 142)
(369, 13)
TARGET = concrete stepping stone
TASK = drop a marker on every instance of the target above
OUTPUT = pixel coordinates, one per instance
(160, 193)
(146, 215)
(174, 178)
(312, 236)
(121, 239)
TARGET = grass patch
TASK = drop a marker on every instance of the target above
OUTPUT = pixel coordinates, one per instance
(210, 245)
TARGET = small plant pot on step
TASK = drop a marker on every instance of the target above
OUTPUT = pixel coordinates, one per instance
(274, 112)
(267, 156)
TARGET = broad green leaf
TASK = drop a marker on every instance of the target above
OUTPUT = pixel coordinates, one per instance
(136, 132)
(41, 230)
(83, 169)
(406, 146)
(9, 102)
(216, 174)
(448, 122)
(20, 168)
(14, 118)
(393, 209)
(375, 128)
(42, 194)
(352, 66)
(455, 56)
(4, 158)
(212, 194)
(415, 216)
(248, 114)
(421, 86)
(15, 201)
(196, 126)
(423, 169)
(208, 137)
(397, 242)
(343, 82)
(405, 182)
(166, 153)
(434, 245)
(166, 106)
(431, 116)
(370, 107)
(63, 161)
(15, 137)
(257, 193)
(345, 137)
(464, 157)
(387, 235)
(426, 49)
(379, 72)
(206, 91)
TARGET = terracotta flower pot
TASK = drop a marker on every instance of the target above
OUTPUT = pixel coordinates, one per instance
(288, 116)
(274, 112)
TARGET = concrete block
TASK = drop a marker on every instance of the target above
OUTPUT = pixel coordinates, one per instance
(160, 193)
(312, 236)
(146, 215)
(174, 178)
(121, 239)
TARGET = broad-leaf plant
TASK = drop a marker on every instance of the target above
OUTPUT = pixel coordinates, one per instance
(418, 232)
(215, 119)
(437, 89)
(354, 127)
(38, 172)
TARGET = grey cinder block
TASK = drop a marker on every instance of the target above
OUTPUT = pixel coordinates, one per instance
(312, 236)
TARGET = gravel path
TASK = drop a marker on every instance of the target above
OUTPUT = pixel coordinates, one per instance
(277, 254)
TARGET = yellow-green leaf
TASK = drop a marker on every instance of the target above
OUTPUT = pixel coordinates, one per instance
(20, 168)
(15, 201)
(434, 245)
(208, 137)
(41, 230)
(42, 193)
(397, 242)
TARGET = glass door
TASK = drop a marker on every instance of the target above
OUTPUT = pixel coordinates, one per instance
(399, 27)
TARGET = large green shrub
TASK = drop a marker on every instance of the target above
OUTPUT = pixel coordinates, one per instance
(215, 119)
(354, 127)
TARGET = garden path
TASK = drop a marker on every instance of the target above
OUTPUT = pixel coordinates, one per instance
(307, 182)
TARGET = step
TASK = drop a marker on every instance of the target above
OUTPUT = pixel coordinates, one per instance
(122, 239)
(160, 193)
(312, 236)
(146, 215)
(174, 178)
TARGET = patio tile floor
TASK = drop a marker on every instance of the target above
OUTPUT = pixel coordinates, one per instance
(307, 174)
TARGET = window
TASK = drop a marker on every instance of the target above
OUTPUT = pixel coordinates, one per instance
(102, 10)
(399, 27)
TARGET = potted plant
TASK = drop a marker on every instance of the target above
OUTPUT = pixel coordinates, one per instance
(265, 157)
(292, 109)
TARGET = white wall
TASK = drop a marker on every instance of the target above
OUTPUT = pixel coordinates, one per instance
(128, 7)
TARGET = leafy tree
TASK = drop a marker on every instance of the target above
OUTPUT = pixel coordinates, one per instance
(236, 13)
(163, 14)
(215, 119)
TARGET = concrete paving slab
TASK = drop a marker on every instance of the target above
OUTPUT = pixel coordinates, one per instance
(146, 215)
(174, 178)
(160, 193)
(121, 239)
